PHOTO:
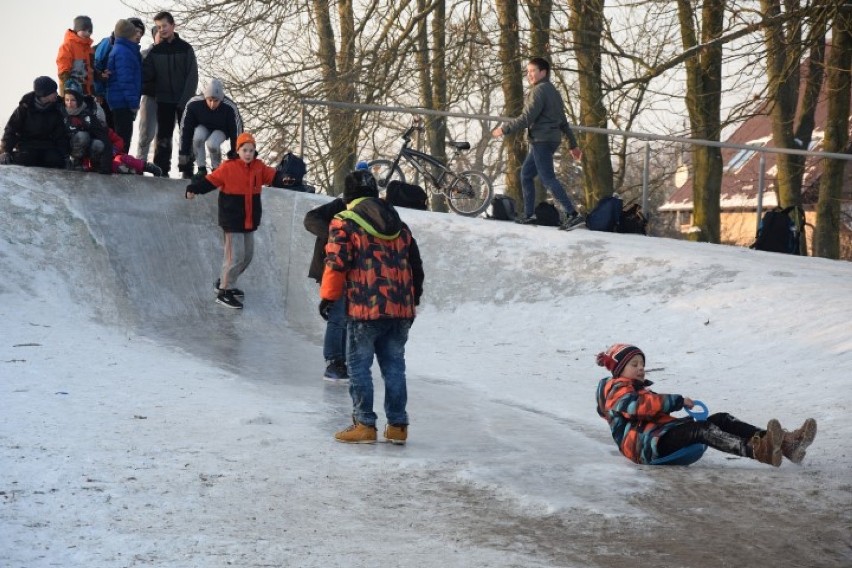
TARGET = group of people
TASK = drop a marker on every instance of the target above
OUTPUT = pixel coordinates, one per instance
(86, 120)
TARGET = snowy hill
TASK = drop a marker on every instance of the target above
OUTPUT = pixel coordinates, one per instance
(142, 424)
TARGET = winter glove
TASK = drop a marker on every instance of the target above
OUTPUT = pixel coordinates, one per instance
(324, 308)
(183, 160)
(232, 155)
(191, 190)
(5, 158)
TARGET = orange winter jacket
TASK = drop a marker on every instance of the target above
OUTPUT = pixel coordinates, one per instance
(76, 62)
(239, 186)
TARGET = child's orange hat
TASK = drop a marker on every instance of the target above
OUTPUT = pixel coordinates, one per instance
(245, 138)
(615, 358)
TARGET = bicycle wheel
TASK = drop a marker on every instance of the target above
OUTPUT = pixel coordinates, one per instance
(470, 194)
(381, 170)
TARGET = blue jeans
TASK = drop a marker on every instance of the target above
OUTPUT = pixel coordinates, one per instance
(334, 344)
(539, 162)
(384, 338)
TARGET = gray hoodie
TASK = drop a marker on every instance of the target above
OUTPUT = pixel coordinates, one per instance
(543, 116)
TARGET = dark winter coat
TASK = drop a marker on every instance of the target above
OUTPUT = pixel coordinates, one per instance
(637, 416)
(30, 127)
(87, 121)
(226, 118)
(543, 116)
(317, 222)
(171, 71)
(124, 87)
(372, 257)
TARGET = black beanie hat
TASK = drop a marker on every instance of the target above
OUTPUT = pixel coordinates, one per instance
(44, 86)
(137, 23)
(359, 183)
(82, 23)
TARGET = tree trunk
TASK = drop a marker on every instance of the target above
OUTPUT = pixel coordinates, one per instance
(587, 21)
(513, 91)
(703, 103)
(434, 90)
(827, 233)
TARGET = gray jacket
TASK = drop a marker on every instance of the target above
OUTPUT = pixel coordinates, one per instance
(543, 116)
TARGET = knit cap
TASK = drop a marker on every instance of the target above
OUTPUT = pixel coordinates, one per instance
(215, 90)
(615, 358)
(245, 138)
(125, 29)
(82, 23)
(359, 183)
(44, 86)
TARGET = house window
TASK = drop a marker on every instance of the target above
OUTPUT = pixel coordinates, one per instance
(739, 160)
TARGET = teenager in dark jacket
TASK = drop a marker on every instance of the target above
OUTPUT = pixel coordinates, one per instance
(35, 134)
(172, 71)
(209, 120)
(124, 85)
(88, 136)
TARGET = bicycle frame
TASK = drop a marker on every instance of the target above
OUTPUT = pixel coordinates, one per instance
(417, 159)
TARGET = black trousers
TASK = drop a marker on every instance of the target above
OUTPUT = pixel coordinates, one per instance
(39, 157)
(720, 431)
(123, 120)
(168, 114)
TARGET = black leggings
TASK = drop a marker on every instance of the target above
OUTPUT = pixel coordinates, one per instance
(721, 431)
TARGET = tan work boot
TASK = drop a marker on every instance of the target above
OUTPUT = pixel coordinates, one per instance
(766, 448)
(357, 434)
(396, 433)
(795, 443)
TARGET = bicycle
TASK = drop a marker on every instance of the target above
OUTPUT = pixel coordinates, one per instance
(468, 193)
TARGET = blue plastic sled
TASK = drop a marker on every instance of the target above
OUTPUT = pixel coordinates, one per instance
(690, 454)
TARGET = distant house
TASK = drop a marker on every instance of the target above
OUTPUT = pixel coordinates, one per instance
(740, 183)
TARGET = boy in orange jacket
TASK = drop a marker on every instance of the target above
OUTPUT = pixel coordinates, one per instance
(240, 182)
(76, 57)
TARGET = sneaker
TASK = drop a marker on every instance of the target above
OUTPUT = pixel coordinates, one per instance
(336, 372)
(229, 300)
(152, 169)
(357, 434)
(766, 447)
(200, 174)
(527, 220)
(572, 222)
(795, 443)
(396, 433)
(236, 291)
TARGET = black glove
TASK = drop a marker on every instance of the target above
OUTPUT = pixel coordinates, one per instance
(232, 155)
(324, 308)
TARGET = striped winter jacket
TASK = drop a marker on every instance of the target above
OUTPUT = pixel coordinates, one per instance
(372, 254)
(637, 416)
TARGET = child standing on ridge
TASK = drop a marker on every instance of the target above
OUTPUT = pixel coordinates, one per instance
(240, 182)
(75, 58)
(644, 430)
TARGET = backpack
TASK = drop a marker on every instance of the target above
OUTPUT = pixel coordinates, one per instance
(503, 208)
(777, 231)
(401, 194)
(547, 214)
(606, 215)
(632, 221)
(292, 169)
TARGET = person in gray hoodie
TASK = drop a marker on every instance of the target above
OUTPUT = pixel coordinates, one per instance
(545, 121)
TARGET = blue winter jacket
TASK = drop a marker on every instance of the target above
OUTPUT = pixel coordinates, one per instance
(124, 89)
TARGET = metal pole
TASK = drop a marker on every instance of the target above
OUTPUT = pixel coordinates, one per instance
(302, 131)
(760, 183)
(645, 176)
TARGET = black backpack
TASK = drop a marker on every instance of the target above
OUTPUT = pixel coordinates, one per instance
(292, 169)
(606, 215)
(503, 208)
(632, 221)
(546, 214)
(406, 195)
(777, 230)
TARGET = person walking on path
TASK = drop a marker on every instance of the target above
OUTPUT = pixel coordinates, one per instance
(644, 430)
(373, 259)
(171, 71)
(544, 119)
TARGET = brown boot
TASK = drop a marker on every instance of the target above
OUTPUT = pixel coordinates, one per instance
(766, 447)
(396, 433)
(357, 434)
(795, 443)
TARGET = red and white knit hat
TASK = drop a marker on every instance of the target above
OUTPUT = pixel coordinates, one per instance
(617, 356)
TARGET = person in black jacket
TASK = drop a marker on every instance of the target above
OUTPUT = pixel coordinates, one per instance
(208, 121)
(35, 134)
(88, 136)
(334, 344)
(170, 71)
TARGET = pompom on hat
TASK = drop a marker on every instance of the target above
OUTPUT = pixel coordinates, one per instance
(615, 358)
(359, 183)
(245, 138)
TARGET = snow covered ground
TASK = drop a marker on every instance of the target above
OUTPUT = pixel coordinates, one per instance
(143, 425)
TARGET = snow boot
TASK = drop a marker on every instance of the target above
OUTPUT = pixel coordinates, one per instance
(152, 169)
(396, 433)
(766, 447)
(357, 434)
(200, 174)
(795, 443)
